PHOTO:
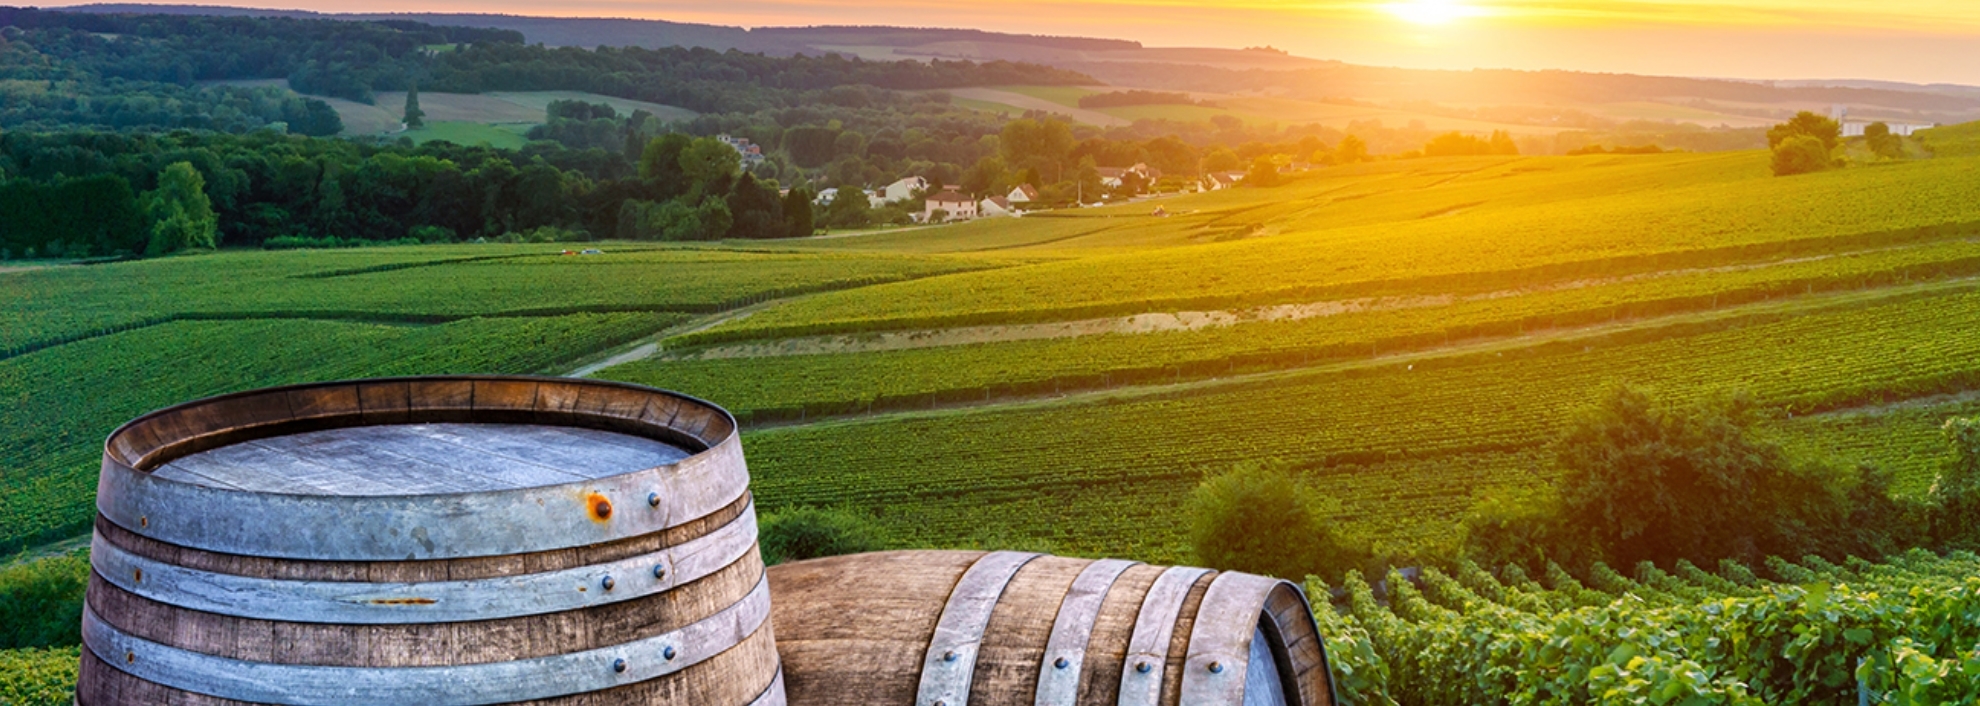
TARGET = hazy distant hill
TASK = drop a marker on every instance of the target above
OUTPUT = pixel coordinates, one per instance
(1261, 71)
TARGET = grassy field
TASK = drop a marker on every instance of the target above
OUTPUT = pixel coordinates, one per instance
(496, 119)
(508, 136)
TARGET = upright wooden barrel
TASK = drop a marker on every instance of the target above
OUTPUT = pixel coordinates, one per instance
(442, 540)
(943, 628)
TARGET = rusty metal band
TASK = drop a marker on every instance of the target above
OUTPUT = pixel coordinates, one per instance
(422, 527)
(462, 685)
(1154, 628)
(950, 665)
(361, 603)
(1072, 629)
(772, 695)
(1220, 641)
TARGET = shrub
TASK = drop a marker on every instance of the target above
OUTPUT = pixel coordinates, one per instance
(809, 533)
(41, 602)
(1256, 518)
(1801, 154)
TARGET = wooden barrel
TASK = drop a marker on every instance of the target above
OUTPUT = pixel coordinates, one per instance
(944, 628)
(440, 540)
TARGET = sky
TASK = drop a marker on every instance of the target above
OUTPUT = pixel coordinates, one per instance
(1919, 41)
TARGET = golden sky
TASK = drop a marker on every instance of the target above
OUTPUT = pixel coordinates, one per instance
(1906, 40)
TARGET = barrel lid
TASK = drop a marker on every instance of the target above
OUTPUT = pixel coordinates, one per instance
(419, 459)
(421, 468)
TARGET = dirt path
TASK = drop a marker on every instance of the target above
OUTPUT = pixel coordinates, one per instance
(1020, 100)
(1148, 323)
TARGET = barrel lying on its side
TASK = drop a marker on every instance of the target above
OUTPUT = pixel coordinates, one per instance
(464, 540)
(944, 628)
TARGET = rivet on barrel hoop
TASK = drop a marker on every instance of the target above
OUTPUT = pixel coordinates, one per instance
(1216, 667)
(608, 583)
(668, 653)
(618, 665)
(653, 500)
(1061, 663)
(1142, 667)
(949, 656)
(660, 571)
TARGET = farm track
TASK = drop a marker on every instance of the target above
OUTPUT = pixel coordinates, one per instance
(1184, 387)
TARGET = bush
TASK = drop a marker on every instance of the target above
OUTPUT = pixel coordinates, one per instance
(809, 533)
(1256, 518)
(1647, 481)
(41, 602)
(1801, 154)
(1955, 493)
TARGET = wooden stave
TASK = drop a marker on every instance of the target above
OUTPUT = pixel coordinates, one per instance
(721, 680)
(441, 644)
(900, 594)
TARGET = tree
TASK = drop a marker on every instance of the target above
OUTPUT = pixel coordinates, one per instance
(1264, 173)
(809, 533)
(1256, 518)
(1502, 143)
(181, 216)
(1801, 154)
(1807, 124)
(1647, 481)
(1882, 142)
(798, 217)
(707, 160)
(1221, 159)
(1351, 150)
(415, 118)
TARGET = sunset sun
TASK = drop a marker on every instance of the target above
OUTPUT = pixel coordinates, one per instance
(1430, 12)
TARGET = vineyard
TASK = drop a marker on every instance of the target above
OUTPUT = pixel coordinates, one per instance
(1813, 632)
(796, 387)
(1615, 229)
(1403, 444)
(1409, 336)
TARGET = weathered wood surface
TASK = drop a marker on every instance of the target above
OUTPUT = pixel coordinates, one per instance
(421, 442)
(855, 630)
(419, 459)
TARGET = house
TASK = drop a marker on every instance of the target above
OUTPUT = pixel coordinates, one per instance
(902, 190)
(1219, 181)
(1110, 177)
(752, 155)
(1023, 194)
(825, 197)
(1856, 128)
(953, 203)
(996, 207)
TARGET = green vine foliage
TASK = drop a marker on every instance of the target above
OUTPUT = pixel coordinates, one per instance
(1906, 632)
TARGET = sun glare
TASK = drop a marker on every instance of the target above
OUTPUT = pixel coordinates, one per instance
(1430, 12)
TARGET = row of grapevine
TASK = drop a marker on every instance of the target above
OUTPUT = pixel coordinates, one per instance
(63, 304)
(803, 387)
(1905, 632)
(1402, 447)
